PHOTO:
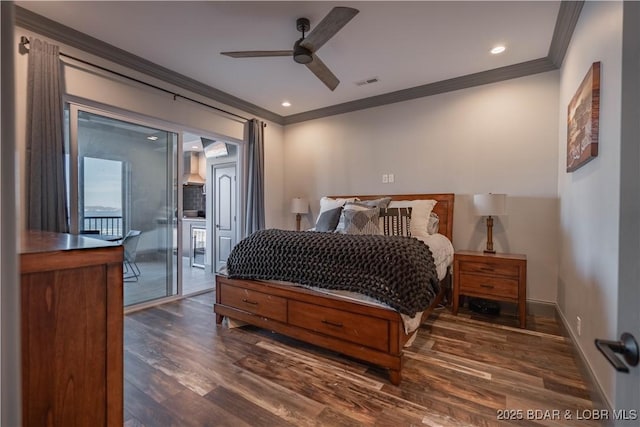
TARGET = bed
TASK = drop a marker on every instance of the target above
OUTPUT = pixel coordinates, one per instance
(370, 332)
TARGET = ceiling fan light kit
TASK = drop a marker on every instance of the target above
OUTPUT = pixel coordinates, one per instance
(304, 49)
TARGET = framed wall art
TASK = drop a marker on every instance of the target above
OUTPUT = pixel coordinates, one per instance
(583, 119)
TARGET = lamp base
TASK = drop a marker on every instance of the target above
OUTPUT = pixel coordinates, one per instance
(489, 249)
(298, 216)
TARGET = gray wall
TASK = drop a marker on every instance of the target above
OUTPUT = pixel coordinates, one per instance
(499, 138)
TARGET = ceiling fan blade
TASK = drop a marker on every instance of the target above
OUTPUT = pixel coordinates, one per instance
(328, 27)
(257, 53)
(321, 71)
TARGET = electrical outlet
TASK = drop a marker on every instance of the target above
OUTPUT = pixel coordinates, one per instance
(385, 179)
(578, 325)
(391, 178)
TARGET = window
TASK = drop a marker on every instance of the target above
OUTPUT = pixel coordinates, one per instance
(102, 196)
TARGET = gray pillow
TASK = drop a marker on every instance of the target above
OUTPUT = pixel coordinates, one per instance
(361, 222)
(328, 220)
(381, 203)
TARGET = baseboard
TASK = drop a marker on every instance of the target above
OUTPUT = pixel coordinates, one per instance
(595, 390)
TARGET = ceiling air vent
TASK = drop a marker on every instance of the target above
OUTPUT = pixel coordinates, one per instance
(367, 81)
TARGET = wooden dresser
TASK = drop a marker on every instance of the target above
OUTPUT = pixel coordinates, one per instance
(500, 276)
(72, 330)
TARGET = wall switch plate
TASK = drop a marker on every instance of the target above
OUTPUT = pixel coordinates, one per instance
(391, 178)
(578, 325)
(385, 178)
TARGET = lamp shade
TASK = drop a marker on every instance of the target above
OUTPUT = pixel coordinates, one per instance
(489, 204)
(299, 205)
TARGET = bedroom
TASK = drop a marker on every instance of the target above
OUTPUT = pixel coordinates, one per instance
(553, 217)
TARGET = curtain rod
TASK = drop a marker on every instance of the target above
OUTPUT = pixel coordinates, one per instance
(24, 41)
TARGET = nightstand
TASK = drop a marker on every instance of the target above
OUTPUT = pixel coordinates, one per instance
(501, 277)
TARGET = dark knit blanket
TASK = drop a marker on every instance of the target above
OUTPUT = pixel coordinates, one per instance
(398, 271)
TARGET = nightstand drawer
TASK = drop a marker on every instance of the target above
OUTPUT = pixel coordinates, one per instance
(254, 302)
(492, 268)
(486, 285)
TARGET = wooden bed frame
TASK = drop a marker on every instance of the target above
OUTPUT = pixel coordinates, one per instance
(366, 332)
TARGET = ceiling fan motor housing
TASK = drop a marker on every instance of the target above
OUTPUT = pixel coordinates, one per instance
(301, 54)
(303, 25)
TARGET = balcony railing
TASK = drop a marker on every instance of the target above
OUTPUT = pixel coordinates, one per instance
(111, 225)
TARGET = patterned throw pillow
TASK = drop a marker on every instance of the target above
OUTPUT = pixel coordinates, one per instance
(395, 221)
(361, 221)
(351, 206)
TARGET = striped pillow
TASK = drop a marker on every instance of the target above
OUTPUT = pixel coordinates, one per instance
(395, 222)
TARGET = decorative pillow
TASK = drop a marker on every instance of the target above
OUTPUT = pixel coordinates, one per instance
(434, 223)
(350, 206)
(361, 222)
(328, 220)
(381, 203)
(327, 203)
(395, 222)
(420, 211)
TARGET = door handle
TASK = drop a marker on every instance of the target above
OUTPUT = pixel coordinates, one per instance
(627, 346)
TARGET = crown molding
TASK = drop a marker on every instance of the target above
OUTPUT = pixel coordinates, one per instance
(470, 80)
(566, 21)
(565, 24)
(54, 30)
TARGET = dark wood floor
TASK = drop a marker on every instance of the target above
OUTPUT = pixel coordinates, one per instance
(183, 370)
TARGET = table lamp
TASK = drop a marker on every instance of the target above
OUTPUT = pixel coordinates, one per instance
(299, 206)
(489, 205)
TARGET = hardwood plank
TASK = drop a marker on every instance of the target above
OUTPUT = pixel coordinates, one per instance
(144, 409)
(151, 381)
(191, 409)
(460, 371)
(244, 409)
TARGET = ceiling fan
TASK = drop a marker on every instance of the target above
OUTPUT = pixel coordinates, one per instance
(304, 49)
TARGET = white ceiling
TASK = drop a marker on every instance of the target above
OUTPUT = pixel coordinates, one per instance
(403, 44)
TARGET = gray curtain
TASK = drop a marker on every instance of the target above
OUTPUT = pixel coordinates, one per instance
(254, 177)
(46, 187)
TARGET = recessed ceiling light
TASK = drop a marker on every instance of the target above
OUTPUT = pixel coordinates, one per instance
(152, 138)
(498, 49)
(286, 104)
(195, 147)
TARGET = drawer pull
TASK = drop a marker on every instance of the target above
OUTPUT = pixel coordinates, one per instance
(330, 323)
(487, 286)
(249, 302)
(487, 269)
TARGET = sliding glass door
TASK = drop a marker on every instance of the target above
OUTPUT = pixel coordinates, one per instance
(123, 187)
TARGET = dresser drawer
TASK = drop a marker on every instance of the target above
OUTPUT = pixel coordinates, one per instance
(489, 286)
(492, 268)
(254, 302)
(345, 325)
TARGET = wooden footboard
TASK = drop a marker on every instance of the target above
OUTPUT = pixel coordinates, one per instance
(369, 333)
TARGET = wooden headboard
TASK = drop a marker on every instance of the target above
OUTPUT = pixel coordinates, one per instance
(444, 207)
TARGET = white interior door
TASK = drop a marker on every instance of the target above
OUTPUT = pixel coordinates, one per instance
(225, 221)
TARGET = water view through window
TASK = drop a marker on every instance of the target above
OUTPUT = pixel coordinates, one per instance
(103, 195)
